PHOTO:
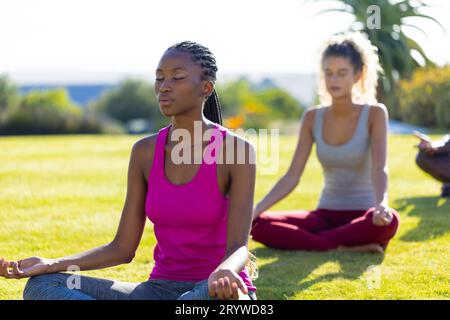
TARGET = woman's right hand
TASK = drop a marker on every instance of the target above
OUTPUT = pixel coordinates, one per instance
(24, 268)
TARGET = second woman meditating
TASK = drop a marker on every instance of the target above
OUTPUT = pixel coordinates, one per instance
(350, 132)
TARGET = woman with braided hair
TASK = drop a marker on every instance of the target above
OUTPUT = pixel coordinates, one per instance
(349, 129)
(201, 212)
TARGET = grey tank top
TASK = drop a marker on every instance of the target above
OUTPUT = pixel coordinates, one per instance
(346, 167)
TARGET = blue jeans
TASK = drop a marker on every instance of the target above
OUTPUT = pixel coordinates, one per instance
(64, 286)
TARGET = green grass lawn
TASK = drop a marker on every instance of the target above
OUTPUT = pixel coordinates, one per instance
(61, 195)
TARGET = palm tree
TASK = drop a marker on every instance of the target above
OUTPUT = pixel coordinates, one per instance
(399, 54)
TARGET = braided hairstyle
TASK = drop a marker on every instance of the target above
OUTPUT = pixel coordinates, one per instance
(205, 59)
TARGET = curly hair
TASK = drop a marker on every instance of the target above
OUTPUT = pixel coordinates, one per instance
(364, 58)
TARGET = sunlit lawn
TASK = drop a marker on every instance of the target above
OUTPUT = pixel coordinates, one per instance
(61, 195)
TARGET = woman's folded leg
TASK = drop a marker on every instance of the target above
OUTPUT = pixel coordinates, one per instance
(361, 231)
(273, 232)
(65, 286)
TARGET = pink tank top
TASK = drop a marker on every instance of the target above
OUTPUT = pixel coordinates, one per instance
(189, 220)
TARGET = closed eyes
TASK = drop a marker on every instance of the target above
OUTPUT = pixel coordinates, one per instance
(161, 79)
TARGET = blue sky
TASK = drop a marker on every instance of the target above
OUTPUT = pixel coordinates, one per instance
(99, 40)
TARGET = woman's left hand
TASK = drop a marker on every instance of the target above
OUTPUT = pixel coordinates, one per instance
(382, 216)
(226, 284)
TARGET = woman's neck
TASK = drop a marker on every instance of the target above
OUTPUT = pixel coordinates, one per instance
(189, 123)
(342, 107)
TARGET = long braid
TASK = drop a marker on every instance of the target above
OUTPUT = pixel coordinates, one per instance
(212, 109)
(203, 56)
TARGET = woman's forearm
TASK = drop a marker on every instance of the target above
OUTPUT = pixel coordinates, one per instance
(105, 256)
(380, 184)
(282, 188)
(235, 260)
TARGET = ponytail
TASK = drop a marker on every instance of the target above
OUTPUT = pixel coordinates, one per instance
(212, 109)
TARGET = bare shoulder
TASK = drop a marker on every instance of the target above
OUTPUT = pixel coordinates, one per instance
(240, 146)
(378, 114)
(379, 110)
(143, 150)
(146, 144)
(309, 116)
(240, 143)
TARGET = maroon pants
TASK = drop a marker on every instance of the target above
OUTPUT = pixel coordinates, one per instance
(321, 229)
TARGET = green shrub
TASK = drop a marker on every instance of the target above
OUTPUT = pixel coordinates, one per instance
(52, 112)
(425, 99)
(132, 99)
